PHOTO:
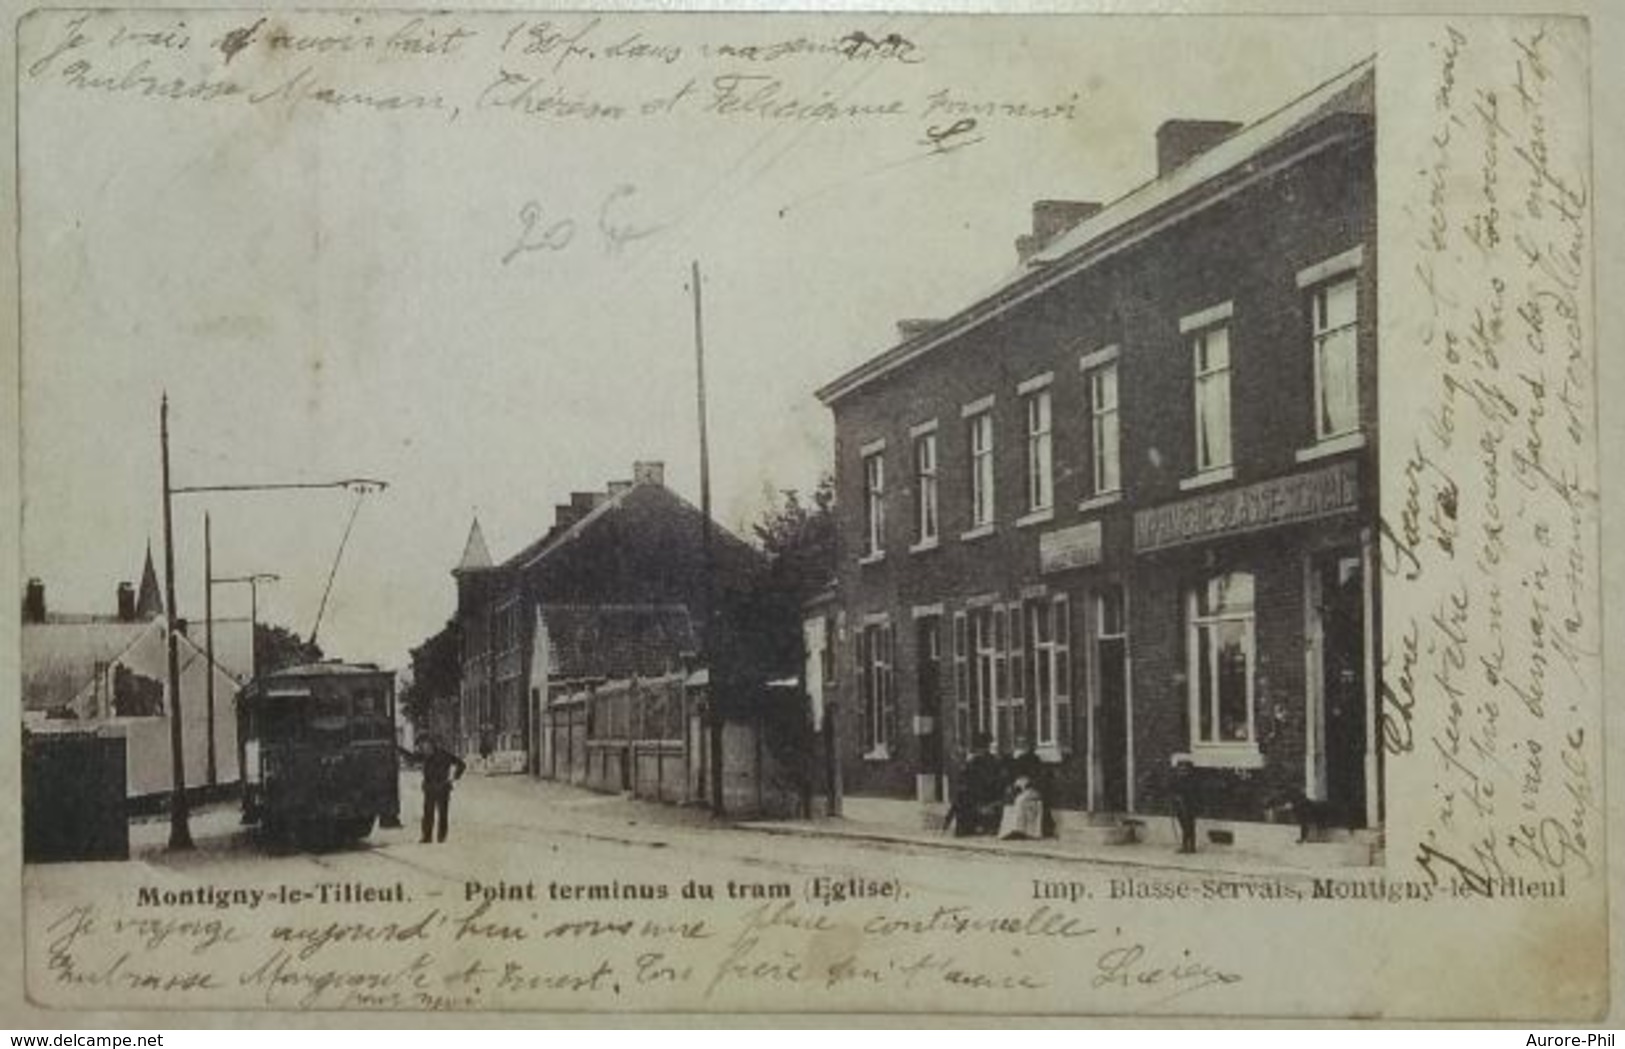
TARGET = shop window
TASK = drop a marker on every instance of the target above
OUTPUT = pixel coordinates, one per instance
(877, 686)
(1221, 661)
(1048, 637)
(1211, 356)
(1334, 312)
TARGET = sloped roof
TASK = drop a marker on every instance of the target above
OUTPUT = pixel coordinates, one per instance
(558, 538)
(61, 657)
(1192, 184)
(148, 602)
(475, 555)
(615, 641)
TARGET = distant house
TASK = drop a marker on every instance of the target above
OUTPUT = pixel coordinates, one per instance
(616, 588)
(111, 672)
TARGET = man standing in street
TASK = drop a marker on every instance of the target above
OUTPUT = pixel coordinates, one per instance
(438, 775)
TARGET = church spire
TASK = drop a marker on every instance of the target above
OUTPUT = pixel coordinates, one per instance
(149, 603)
(475, 555)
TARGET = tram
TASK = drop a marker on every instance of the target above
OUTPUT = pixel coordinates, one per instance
(318, 751)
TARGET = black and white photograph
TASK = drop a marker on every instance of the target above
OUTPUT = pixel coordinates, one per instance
(534, 511)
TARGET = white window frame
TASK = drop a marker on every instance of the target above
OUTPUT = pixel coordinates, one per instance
(877, 685)
(979, 425)
(1049, 622)
(1221, 752)
(1323, 336)
(927, 518)
(1208, 376)
(874, 502)
(1038, 411)
(1104, 418)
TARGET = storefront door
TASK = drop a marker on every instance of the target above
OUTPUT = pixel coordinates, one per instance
(1342, 664)
(1111, 701)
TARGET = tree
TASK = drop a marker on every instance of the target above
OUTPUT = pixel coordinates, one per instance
(277, 648)
(798, 538)
(436, 674)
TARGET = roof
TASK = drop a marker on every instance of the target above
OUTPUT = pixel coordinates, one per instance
(615, 641)
(328, 668)
(63, 657)
(475, 555)
(1196, 183)
(59, 658)
(557, 539)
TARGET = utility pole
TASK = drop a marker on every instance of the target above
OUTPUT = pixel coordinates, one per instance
(208, 627)
(180, 827)
(707, 633)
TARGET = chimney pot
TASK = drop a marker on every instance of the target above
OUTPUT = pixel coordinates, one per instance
(34, 602)
(913, 327)
(1181, 141)
(1051, 218)
(648, 471)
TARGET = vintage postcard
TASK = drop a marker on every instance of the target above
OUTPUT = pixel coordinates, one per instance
(528, 512)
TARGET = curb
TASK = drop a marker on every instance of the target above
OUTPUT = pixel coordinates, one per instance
(882, 838)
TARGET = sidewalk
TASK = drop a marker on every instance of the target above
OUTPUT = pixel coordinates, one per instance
(900, 823)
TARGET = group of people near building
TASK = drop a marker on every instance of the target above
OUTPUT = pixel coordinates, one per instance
(1008, 796)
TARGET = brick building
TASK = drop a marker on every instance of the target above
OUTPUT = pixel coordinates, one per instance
(1124, 507)
(621, 572)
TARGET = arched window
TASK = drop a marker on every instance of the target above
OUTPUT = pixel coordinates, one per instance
(1220, 658)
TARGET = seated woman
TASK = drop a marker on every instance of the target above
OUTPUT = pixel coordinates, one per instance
(1024, 816)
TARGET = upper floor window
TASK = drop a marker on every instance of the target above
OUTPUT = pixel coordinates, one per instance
(925, 489)
(981, 468)
(1104, 474)
(874, 502)
(1210, 350)
(1220, 657)
(1334, 312)
(1040, 465)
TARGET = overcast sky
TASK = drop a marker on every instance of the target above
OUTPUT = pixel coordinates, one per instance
(323, 291)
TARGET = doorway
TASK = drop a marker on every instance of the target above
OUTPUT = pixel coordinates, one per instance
(1111, 721)
(1340, 585)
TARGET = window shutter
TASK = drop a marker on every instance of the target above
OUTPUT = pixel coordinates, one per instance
(888, 712)
(961, 684)
(1061, 629)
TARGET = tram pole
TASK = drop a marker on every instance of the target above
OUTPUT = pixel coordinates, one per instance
(208, 635)
(707, 633)
(180, 826)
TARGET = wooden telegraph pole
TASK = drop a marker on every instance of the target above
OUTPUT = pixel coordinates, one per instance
(180, 827)
(707, 633)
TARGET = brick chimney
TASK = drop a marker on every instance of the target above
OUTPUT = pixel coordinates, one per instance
(1051, 218)
(913, 327)
(126, 602)
(34, 602)
(619, 488)
(648, 471)
(1180, 141)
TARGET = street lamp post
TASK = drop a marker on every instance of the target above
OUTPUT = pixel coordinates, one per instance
(180, 830)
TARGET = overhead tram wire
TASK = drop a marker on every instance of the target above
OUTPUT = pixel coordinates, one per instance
(361, 492)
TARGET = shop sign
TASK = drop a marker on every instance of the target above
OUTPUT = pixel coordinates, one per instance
(1268, 504)
(1074, 547)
